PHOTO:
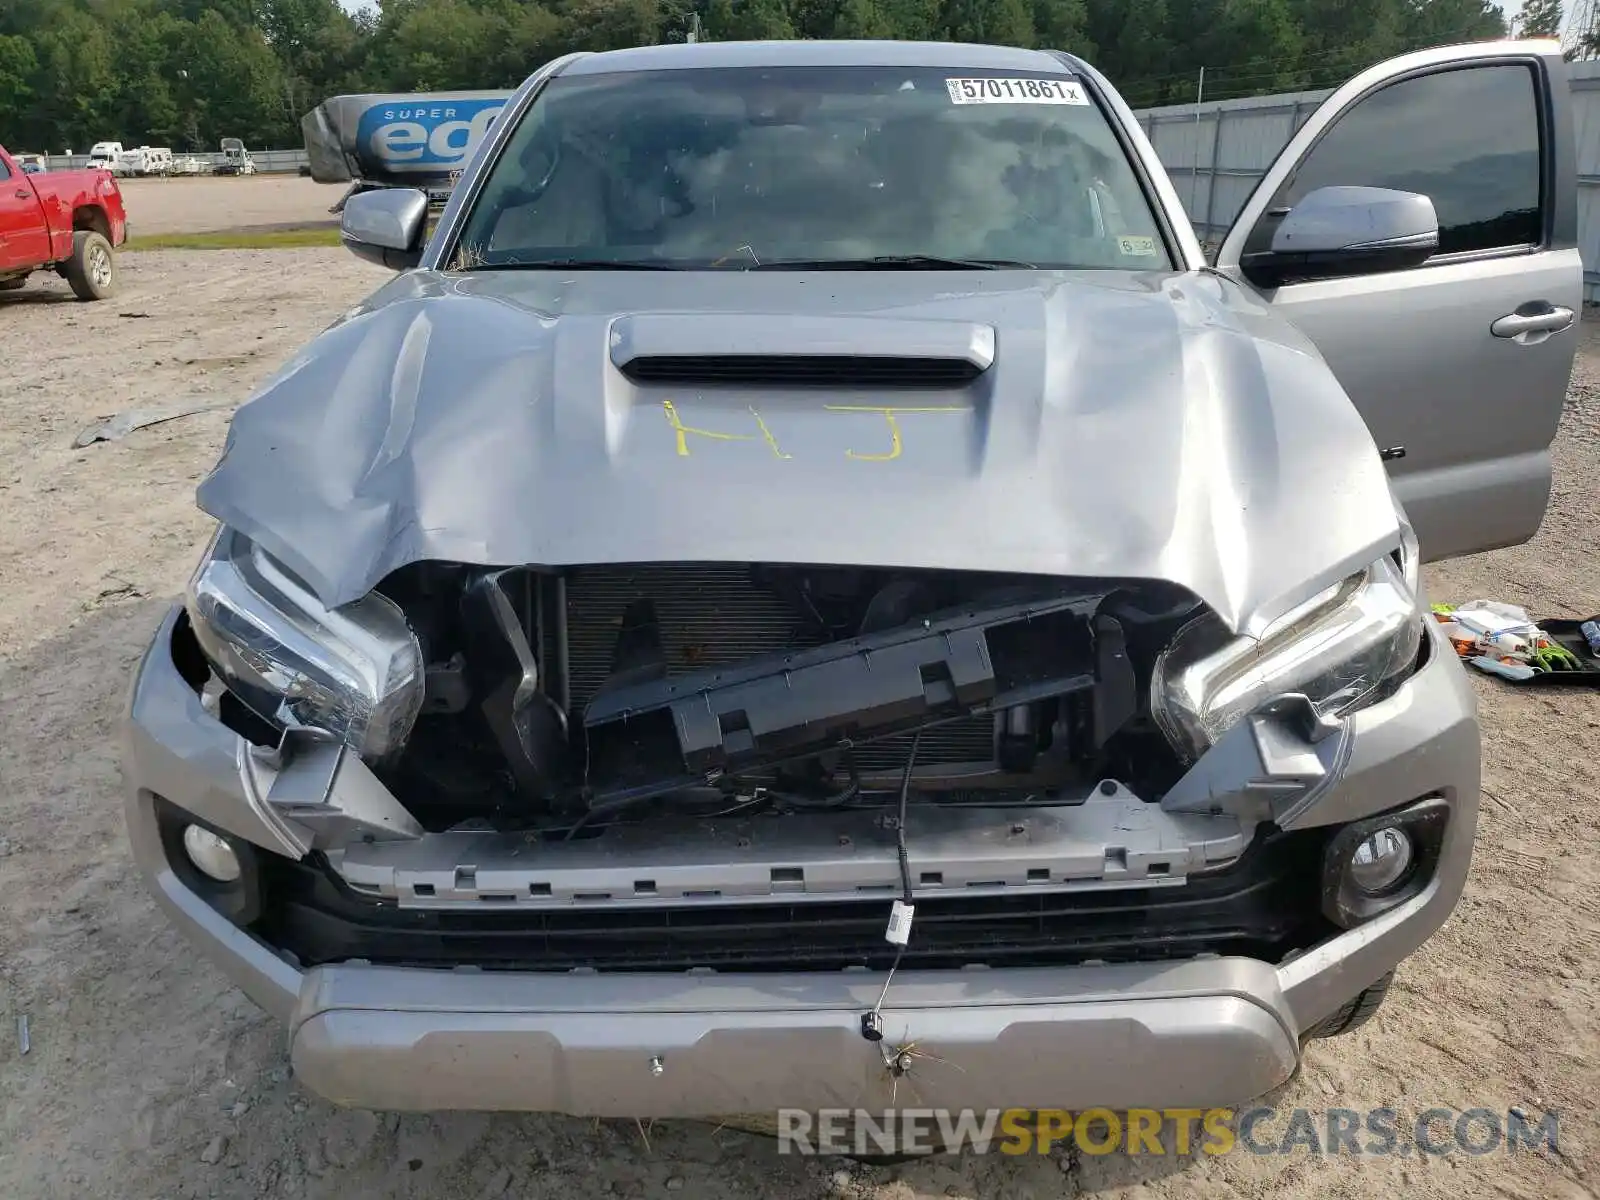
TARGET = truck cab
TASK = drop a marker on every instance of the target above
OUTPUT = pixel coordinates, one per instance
(104, 156)
(236, 159)
(68, 221)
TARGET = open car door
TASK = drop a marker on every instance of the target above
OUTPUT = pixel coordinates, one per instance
(1421, 229)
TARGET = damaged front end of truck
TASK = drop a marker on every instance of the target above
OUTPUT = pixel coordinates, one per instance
(724, 625)
(477, 681)
(673, 766)
(504, 699)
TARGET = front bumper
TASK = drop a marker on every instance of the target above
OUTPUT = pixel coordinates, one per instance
(1195, 1032)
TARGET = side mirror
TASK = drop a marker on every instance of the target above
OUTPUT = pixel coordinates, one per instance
(385, 226)
(1336, 232)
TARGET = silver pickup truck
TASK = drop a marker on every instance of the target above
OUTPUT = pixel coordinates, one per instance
(807, 558)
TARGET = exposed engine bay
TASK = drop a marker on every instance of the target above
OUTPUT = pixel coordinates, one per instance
(567, 702)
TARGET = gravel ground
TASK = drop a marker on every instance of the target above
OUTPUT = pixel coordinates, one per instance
(212, 202)
(149, 1076)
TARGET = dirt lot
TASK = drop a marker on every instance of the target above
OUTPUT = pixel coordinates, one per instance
(149, 1077)
(211, 202)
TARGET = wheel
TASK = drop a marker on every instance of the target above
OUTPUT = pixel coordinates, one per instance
(92, 269)
(1354, 1014)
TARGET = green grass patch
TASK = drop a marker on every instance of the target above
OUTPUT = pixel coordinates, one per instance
(239, 239)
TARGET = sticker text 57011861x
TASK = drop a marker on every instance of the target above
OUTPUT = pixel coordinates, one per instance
(1016, 91)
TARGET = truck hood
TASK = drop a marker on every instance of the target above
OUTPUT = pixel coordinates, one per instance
(1155, 426)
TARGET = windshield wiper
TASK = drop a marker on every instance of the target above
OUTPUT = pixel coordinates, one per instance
(896, 262)
(578, 264)
(883, 262)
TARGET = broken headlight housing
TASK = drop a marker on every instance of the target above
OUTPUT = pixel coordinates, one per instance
(1346, 647)
(355, 672)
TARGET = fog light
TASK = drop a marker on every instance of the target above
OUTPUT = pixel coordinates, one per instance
(1373, 865)
(1381, 861)
(211, 854)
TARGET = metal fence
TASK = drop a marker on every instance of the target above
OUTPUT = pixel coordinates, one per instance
(268, 162)
(1216, 152)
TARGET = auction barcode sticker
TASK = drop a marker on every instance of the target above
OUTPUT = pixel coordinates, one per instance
(1015, 91)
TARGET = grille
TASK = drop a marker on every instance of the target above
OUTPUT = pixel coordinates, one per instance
(712, 615)
(804, 370)
(1263, 906)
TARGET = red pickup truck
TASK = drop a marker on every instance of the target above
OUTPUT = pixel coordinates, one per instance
(68, 221)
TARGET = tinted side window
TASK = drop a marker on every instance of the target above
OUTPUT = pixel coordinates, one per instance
(5, 171)
(1467, 138)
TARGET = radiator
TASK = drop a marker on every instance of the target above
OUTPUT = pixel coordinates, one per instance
(711, 615)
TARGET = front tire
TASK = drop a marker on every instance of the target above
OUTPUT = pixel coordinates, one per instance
(1354, 1014)
(92, 269)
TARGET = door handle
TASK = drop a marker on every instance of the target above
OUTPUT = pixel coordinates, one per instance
(1549, 318)
(23, 193)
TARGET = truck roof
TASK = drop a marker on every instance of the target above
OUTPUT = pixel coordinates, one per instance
(682, 55)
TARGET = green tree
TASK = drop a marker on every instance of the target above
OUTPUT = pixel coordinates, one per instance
(1440, 22)
(17, 67)
(439, 44)
(234, 85)
(863, 19)
(612, 24)
(76, 83)
(917, 20)
(1005, 22)
(1342, 39)
(734, 20)
(1276, 45)
(1539, 19)
(532, 36)
(318, 45)
(239, 14)
(1135, 38)
(1063, 25)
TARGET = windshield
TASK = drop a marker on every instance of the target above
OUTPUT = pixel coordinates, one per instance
(754, 168)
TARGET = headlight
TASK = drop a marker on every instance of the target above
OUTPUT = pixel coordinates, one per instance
(355, 672)
(1345, 647)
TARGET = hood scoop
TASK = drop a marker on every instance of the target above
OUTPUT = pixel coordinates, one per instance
(788, 351)
(804, 370)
